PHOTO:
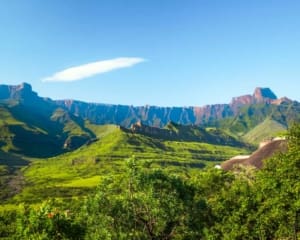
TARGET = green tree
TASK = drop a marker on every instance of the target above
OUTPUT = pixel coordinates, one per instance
(278, 190)
(261, 204)
(47, 222)
(145, 204)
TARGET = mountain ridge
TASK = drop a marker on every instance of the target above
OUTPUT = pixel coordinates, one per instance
(187, 133)
(207, 115)
(239, 116)
(24, 91)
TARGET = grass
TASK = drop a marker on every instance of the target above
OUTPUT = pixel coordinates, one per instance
(11, 180)
(268, 128)
(41, 132)
(82, 182)
(8, 207)
(78, 172)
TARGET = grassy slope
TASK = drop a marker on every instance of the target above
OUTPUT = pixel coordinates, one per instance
(11, 179)
(6, 136)
(17, 135)
(266, 129)
(40, 133)
(257, 122)
(77, 172)
(208, 135)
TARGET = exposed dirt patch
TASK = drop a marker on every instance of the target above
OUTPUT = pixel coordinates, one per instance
(256, 159)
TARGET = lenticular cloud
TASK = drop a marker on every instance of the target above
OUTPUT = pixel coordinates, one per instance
(91, 69)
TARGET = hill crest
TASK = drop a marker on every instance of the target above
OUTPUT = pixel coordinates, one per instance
(188, 133)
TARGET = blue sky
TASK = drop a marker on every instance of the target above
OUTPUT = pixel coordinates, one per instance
(158, 52)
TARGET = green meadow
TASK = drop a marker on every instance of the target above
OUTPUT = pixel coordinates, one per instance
(76, 173)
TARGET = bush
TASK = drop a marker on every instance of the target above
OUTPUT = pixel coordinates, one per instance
(47, 222)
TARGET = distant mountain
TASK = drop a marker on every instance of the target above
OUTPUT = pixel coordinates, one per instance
(159, 116)
(240, 117)
(264, 130)
(22, 92)
(36, 126)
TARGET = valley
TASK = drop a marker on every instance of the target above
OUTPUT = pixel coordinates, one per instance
(41, 137)
(61, 154)
(76, 172)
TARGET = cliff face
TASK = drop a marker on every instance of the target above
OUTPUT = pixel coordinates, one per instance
(160, 116)
(125, 115)
(24, 94)
(260, 95)
(21, 92)
(263, 95)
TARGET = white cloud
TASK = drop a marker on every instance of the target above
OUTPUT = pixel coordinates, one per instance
(91, 69)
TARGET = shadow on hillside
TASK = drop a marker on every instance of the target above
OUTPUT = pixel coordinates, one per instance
(12, 160)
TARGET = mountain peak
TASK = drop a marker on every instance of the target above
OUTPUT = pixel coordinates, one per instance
(25, 87)
(260, 94)
(21, 92)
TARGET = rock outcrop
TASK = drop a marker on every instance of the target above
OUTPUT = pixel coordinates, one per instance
(266, 150)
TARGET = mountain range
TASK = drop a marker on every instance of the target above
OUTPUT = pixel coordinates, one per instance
(42, 127)
(160, 116)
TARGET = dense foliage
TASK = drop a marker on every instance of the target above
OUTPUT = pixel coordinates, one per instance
(146, 202)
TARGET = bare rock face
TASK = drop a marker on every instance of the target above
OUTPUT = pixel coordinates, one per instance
(240, 101)
(160, 116)
(22, 92)
(283, 100)
(155, 116)
(263, 95)
(211, 112)
(260, 95)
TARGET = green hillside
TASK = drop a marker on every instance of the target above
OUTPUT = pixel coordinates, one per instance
(137, 201)
(75, 173)
(267, 129)
(11, 179)
(44, 133)
(200, 134)
(82, 152)
(258, 121)
(62, 177)
(248, 118)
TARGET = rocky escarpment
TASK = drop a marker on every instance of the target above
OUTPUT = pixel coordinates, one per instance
(260, 95)
(19, 92)
(159, 116)
(125, 115)
(188, 133)
(24, 94)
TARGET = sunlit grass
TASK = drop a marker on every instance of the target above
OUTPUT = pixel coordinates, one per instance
(82, 182)
(80, 171)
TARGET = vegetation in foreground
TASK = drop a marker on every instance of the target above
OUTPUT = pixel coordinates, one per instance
(149, 203)
(77, 173)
